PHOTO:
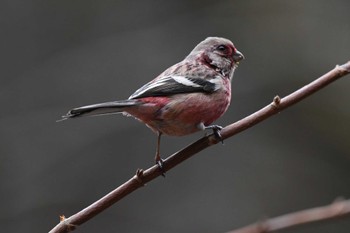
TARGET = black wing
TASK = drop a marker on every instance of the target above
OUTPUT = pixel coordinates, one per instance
(171, 85)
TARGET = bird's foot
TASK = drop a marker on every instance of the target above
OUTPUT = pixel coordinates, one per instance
(160, 163)
(216, 130)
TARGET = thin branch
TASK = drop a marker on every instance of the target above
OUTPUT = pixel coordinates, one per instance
(334, 210)
(143, 177)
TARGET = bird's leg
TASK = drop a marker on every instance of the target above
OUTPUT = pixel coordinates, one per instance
(216, 130)
(158, 159)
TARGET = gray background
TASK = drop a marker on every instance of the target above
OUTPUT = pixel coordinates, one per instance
(56, 55)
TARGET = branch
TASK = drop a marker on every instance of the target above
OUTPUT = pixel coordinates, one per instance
(143, 177)
(337, 209)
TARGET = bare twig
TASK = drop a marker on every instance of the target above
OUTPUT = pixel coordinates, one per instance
(337, 209)
(142, 177)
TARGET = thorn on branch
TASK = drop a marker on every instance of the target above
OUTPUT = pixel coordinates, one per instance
(343, 68)
(276, 101)
(68, 226)
(62, 218)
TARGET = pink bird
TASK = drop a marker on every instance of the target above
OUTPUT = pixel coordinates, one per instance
(186, 98)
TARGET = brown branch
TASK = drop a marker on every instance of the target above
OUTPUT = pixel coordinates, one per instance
(337, 209)
(142, 177)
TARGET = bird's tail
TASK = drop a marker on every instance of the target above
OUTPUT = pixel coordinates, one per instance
(100, 109)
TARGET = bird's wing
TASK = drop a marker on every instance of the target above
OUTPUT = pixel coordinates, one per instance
(175, 84)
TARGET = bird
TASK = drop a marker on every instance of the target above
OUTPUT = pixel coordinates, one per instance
(187, 97)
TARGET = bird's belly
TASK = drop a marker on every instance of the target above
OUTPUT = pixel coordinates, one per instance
(184, 114)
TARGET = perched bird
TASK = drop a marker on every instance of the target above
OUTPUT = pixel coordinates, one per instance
(187, 97)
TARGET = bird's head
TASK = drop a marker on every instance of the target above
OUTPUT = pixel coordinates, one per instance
(219, 53)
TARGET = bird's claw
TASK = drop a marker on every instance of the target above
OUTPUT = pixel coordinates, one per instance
(216, 130)
(160, 164)
(218, 136)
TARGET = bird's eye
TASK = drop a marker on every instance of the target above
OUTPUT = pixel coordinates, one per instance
(222, 48)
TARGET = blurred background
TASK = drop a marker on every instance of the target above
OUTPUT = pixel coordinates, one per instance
(56, 55)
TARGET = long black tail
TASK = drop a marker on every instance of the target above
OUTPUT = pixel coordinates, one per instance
(100, 109)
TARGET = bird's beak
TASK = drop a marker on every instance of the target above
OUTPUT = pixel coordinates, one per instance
(238, 56)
